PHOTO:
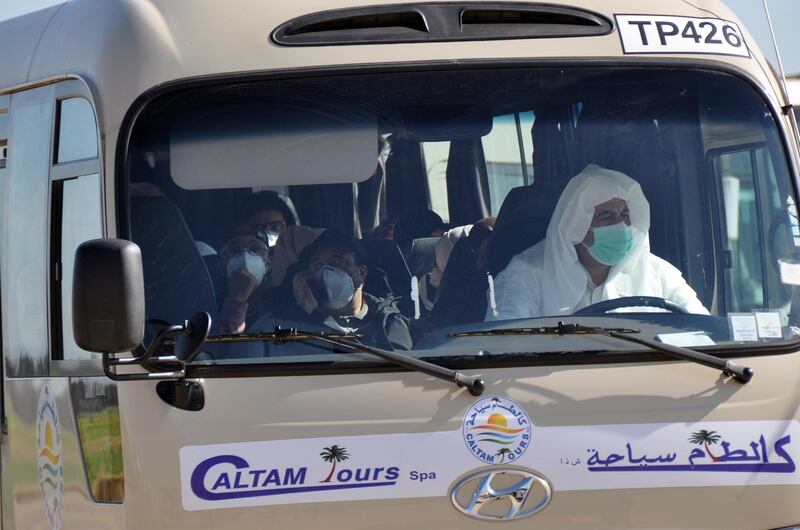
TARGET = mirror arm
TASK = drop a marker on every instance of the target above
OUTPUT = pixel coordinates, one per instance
(109, 365)
(192, 335)
(158, 341)
(109, 368)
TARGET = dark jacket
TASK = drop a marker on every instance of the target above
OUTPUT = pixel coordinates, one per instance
(384, 326)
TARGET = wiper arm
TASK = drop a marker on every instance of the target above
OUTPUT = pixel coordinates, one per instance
(473, 384)
(741, 374)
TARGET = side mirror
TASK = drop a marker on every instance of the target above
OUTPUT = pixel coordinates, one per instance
(108, 296)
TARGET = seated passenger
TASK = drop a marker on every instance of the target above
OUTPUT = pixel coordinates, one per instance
(429, 283)
(385, 230)
(245, 260)
(329, 294)
(269, 214)
(597, 248)
(415, 224)
(287, 250)
(461, 291)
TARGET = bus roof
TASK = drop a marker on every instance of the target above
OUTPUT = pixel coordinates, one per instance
(124, 47)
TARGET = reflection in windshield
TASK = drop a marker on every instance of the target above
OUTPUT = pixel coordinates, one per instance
(404, 207)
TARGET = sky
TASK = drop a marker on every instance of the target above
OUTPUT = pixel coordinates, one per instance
(784, 17)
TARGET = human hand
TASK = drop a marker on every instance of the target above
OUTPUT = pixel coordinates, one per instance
(303, 294)
(241, 285)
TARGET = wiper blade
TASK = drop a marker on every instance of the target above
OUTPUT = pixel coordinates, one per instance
(279, 335)
(473, 384)
(560, 329)
(741, 374)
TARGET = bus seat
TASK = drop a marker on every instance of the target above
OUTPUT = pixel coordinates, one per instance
(377, 283)
(521, 222)
(423, 255)
(462, 292)
(177, 282)
(388, 266)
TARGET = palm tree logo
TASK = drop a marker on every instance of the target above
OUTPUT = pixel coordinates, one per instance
(704, 437)
(333, 454)
(502, 453)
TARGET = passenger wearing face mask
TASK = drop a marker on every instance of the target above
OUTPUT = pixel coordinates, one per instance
(269, 214)
(245, 259)
(330, 294)
(597, 248)
(429, 283)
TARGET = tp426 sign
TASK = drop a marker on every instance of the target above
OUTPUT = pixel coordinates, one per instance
(669, 34)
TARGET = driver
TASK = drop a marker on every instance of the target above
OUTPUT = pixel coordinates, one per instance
(597, 248)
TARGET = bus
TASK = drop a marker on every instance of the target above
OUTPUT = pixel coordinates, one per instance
(388, 264)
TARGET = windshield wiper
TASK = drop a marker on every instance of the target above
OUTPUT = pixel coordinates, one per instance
(473, 384)
(741, 374)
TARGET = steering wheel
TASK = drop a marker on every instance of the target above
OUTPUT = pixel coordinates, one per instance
(605, 306)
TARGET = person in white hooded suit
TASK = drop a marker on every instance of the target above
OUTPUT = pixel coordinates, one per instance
(597, 248)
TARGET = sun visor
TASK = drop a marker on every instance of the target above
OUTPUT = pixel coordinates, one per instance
(288, 144)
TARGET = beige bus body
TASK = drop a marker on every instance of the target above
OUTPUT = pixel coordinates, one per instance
(114, 52)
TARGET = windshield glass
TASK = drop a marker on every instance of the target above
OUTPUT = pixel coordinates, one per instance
(405, 207)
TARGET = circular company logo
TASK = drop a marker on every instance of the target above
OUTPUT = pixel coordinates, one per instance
(51, 468)
(496, 430)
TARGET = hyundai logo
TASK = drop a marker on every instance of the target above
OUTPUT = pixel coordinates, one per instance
(501, 494)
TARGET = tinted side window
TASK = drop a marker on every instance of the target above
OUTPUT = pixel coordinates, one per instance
(76, 208)
(743, 239)
(77, 131)
(436, 155)
(508, 150)
(757, 235)
(508, 153)
(81, 219)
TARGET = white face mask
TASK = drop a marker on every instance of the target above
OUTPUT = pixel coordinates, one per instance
(253, 263)
(269, 236)
(339, 287)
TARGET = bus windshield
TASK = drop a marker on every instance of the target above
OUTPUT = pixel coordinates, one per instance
(406, 207)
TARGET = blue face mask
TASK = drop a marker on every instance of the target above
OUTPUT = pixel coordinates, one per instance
(251, 262)
(611, 243)
(338, 287)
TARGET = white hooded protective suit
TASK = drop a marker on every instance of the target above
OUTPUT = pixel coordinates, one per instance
(548, 279)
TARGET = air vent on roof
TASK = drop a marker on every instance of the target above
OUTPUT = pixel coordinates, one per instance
(439, 22)
(531, 22)
(410, 20)
(354, 26)
(515, 16)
